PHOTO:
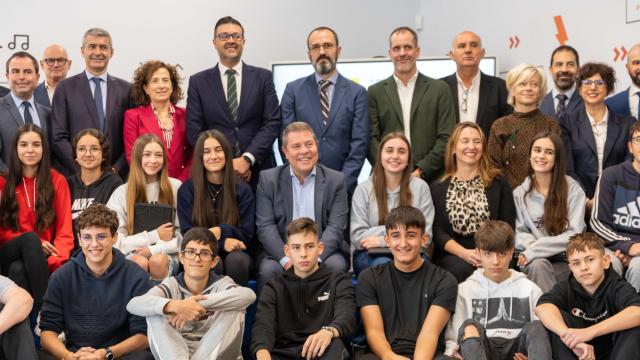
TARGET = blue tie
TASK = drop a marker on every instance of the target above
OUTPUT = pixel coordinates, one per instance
(97, 96)
(27, 114)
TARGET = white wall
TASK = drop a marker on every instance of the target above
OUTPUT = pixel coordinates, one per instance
(181, 31)
(594, 28)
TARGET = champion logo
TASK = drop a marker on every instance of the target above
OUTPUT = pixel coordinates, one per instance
(628, 215)
(324, 297)
(581, 314)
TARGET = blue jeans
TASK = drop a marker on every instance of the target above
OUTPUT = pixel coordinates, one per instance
(362, 260)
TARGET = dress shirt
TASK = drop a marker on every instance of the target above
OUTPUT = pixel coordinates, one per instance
(223, 76)
(32, 109)
(103, 88)
(405, 93)
(473, 98)
(50, 91)
(569, 93)
(330, 88)
(303, 195)
(600, 135)
(633, 99)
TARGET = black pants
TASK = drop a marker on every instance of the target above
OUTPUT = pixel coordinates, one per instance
(237, 265)
(335, 351)
(138, 355)
(23, 261)
(455, 265)
(626, 345)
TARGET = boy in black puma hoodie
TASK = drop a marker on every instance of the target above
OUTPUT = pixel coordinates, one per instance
(595, 313)
(308, 311)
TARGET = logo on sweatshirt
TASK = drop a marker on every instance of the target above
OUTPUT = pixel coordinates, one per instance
(324, 297)
(627, 213)
(581, 314)
(502, 312)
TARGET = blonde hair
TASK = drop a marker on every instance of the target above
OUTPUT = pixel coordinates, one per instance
(522, 73)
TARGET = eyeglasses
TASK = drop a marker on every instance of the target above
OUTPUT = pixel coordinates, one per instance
(325, 46)
(91, 150)
(102, 237)
(465, 96)
(191, 254)
(226, 36)
(52, 61)
(636, 140)
(588, 83)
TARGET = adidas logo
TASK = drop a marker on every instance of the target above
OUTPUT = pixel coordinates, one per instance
(628, 215)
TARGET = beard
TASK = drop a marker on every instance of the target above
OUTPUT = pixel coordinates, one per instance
(635, 78)
(324, 67)
(564, 84)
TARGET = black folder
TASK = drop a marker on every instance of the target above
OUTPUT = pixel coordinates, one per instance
(148, 217)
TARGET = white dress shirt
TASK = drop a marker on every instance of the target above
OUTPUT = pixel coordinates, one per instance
(472, 98)
(223, 76)
(405, 93)
(600, 135)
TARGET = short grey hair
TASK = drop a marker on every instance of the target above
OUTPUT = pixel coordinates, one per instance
(98, 32)
(297, 126)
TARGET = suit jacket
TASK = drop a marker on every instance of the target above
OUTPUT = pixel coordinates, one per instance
(274, 209)
(492, 103)
(11, 121)
(41, 95)
(141, 120)
(258, 117)
(619, 103)
(580, 145)
(432, 120)
(74, 109)
(4, 91)
(548, 105)
(343, 143)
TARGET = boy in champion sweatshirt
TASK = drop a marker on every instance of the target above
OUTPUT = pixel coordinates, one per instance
(196, 315)
(308, 310)
(494, 317)
(616, 215)
(595, 313)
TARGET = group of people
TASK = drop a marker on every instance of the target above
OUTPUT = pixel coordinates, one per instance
(468, 240)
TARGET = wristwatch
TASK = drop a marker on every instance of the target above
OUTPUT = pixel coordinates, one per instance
(109, 354)
(332, 330)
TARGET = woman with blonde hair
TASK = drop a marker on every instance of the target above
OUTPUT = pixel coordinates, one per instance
(470, 192)
(155, 250)
(511, 135)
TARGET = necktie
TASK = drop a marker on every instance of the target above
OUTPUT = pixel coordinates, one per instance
(97, 97)
(562, 106)
(27, 114)
(324, 100)
(232, 93)
(638, 95)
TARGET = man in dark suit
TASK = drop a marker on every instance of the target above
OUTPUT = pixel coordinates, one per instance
(55, 65)
(627, 102)
(4, 91)
(238, 100)
(477, 97)
(334, 106)
(302, 188)
(408, 101)
(20, 107)
(91, 99)
(564, 65)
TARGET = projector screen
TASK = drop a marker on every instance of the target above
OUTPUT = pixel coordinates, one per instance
(367, 72)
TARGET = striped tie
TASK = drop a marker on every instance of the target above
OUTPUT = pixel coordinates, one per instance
(232, 93)
(324, 100)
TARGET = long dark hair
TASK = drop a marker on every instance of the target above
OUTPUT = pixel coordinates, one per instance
(43, 204)
(380, 183)
(556, 212)
(203, 211)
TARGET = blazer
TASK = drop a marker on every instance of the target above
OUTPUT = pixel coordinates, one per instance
(619, 103)
(258, 117)
(141, 120)
(432, 120)
(41, 95)
(11, 121)
(580, 145)
(73, 109)
(343, 143)
(4, 91)
(274, 209)
(492, 103)
(548, 107)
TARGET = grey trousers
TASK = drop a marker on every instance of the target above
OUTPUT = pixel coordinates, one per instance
(222, 341)
(532, 341)
(545, 273)
(17, 342)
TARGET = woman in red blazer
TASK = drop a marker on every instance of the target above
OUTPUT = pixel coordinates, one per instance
(156, 90)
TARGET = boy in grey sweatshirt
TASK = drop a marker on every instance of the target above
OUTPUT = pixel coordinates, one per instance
(197, 314)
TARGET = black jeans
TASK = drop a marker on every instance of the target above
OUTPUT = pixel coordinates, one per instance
(23, 261)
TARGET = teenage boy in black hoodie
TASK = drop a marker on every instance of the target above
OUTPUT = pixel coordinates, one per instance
(87, 298)
(594, 314)
(307, 311)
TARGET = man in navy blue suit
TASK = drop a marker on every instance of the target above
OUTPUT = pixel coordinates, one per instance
(334, 106)
(627, 102)
(238, 100)
(563, 97)
(55, 65)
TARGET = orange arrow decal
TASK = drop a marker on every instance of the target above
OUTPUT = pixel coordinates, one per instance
(562, 33)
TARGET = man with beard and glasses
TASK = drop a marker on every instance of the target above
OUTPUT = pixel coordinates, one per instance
(408, 101)
(91, 99)
(237, 99)
(565, 62)
(627, 102)
(334, 106)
